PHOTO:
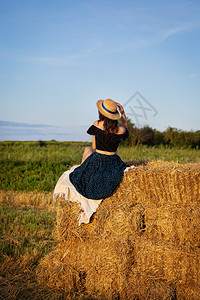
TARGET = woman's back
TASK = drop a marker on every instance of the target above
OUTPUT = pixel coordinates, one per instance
(106, 142)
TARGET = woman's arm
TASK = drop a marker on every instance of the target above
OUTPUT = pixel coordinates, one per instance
(123, 116)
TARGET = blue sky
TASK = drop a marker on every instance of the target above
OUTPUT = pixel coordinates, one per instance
(57, 58)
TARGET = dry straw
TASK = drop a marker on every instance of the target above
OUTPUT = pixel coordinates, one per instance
(41, 200)
(142, 243)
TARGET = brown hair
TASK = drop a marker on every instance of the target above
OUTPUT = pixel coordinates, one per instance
(110, 126)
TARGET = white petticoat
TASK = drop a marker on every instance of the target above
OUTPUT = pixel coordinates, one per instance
(64, 188)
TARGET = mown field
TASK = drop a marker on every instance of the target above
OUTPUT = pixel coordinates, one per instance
(28, 174)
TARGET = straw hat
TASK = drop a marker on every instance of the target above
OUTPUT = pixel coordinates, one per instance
(108, 108)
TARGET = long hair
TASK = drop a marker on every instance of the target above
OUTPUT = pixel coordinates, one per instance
(110, 126)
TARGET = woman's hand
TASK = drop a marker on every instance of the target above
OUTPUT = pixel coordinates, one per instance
(120, 107)
(123, 116)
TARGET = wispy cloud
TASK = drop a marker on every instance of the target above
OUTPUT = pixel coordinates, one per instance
(136, 44)
(175, 30)
(193, 75)
(25, 131)
(17, 124)
(155, 37)
(67, 60)
(151, 37)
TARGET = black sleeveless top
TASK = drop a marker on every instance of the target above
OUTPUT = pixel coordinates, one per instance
(107, 142)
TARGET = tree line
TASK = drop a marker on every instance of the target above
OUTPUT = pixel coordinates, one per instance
(171, 137)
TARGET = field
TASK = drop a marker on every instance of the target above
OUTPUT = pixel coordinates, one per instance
(38, 165)
(29, 171)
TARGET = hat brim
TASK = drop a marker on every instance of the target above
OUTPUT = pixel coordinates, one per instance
(111, 116)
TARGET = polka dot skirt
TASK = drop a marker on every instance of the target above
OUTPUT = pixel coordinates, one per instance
(98, 176)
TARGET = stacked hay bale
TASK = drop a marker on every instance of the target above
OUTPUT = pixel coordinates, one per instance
(142, 243)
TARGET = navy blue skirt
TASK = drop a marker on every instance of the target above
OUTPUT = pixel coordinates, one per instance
(98, 176)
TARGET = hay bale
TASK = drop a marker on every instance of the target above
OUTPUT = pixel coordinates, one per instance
(143, 241)
(167, 262)
(174, 225)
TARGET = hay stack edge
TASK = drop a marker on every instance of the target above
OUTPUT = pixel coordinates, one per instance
(142, 243)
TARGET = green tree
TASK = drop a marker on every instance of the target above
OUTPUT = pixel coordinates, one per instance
(158, 138)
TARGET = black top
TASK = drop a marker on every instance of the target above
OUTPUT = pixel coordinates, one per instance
(107, 142)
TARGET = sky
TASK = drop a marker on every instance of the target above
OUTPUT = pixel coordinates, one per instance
(57, 58)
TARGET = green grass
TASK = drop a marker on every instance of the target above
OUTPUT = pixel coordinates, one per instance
(30, 166)
(38, 165)
(180, 155)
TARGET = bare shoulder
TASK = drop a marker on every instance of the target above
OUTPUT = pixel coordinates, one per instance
(121, 130)
(98, 124)
(95, 123)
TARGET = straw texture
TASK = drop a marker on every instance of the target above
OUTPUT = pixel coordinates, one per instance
(142, 243)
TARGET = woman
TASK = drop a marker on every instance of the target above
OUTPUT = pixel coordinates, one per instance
(100, 172)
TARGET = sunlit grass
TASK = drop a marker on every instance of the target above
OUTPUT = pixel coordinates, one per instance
(23, 230)
(160, 153)
(37, 166)
(27, 233)
(29, 166)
